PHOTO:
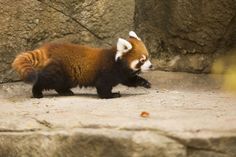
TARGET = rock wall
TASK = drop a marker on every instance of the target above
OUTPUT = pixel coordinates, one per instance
(186, 35)
(26, 24)
(183, 35)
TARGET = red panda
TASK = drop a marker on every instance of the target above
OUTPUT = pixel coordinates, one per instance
(62, 66)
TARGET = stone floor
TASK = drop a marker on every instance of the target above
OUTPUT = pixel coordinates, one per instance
(189, 116)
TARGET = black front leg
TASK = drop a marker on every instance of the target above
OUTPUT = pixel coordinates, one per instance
(137, 81)
(104, 88)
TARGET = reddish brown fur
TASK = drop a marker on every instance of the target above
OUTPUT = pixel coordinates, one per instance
(137, 51)
(81, 62)
(30, 62)
(63, 66)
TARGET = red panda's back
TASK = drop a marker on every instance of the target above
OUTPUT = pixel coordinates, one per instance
(81, 63)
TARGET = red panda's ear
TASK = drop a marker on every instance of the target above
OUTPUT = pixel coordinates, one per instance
(123, 46)
(133, 35)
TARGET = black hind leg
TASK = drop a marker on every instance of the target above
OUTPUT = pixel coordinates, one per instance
(53, 76)
(37, 91)
(64, 92)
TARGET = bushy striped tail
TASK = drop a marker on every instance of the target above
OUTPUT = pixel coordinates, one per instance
(26, 63)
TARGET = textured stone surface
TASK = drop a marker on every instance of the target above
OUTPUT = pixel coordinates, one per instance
(189, 116)
(27, 24)
(186, 35)
(90, 143)
(183, 35)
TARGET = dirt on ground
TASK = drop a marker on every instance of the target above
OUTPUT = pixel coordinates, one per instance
(189, 109)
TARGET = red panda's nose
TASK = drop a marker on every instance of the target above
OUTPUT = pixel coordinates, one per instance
(151, 67)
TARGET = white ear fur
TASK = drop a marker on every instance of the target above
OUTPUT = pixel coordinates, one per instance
(123, 46)
(134, 35)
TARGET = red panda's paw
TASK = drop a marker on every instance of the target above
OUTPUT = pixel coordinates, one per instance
(110, 95)
(38, 95)
(146, 84)
(116, 95)
(37, 91)
(65, 92)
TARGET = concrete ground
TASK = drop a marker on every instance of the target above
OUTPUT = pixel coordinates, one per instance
(189, 116)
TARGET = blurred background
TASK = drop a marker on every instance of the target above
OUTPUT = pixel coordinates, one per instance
(181, 35)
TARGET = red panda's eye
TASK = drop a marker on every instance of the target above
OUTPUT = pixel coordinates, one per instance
(142, 61)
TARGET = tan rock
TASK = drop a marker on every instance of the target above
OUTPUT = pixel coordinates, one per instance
(27, 24)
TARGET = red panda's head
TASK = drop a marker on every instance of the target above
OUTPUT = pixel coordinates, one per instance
(134, 53)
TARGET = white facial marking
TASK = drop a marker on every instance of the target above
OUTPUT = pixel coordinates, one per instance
(146, 66)
(123, 46)
(134, 64)
(134, 35)
(144, 57)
